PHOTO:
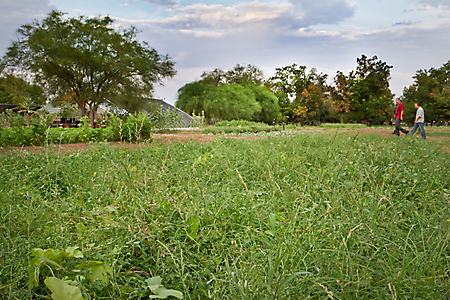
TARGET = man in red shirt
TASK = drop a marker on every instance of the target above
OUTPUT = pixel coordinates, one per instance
(399, 112)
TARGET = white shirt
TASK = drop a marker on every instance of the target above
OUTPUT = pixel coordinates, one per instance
(421, 115)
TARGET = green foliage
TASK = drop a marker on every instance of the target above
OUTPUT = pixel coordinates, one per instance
(61, 290)
(306, 216)
(164, 120)
(363, 96)
(97, 272)
(68, 110)
(307, 92)
(239, 74)
(133, 129)
(14, 90)
(128, 128)
(88, 62)
(198, 121)
(236, 94)
(49, 257)
(268, 102)
(154, 284)
(431, 89)
(21, 135)
(226, 101)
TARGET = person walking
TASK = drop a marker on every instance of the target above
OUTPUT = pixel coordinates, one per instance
(420, 119)
(399, 114)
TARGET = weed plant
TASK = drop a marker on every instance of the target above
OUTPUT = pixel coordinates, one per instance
(311, 216)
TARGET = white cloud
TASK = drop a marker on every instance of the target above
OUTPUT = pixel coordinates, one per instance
(215, 20)
(325, 12)
(219, 17)
(432, 3)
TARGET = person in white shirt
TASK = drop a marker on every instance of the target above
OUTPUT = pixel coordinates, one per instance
(420, 119)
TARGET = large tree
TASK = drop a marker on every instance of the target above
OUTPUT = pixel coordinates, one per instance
(87, 61)
(225, 101)
(234, 94)
(431, 89)
(301, 95)
(371, 94)
(364, 95)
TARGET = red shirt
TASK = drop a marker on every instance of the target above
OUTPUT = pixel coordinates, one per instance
(398, 112)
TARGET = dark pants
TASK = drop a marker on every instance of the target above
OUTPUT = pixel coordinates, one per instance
(398, 128)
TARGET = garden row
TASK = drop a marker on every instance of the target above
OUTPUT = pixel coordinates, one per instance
(116, 128)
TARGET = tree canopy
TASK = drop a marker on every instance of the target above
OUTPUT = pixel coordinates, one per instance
(86, 61)
(301, 95)
(14, 90)
(362, 96)
(230, 95)
(431, 89)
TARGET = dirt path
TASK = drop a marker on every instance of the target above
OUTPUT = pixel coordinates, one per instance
(187, 136)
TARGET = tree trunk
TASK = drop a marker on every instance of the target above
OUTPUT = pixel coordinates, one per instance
(92, 114)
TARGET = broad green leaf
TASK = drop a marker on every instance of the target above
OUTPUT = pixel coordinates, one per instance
(61, 290)
(80, 228)
(96, 270)
(39, 258)
(54, 254)
(74, 252)
(154, 283)
(193, 223)
(162, 293)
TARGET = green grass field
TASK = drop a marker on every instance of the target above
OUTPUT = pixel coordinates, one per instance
(308, 216)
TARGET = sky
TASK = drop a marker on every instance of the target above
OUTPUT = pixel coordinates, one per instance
(329, 35)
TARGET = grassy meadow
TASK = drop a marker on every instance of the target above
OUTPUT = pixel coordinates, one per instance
(306, 216)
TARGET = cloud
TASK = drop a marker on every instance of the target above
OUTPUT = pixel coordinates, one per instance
(217, 20)
(325, 12)
(15, 13)
(425, 5)
(168, 3)
(239, 16)
(433, 3)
